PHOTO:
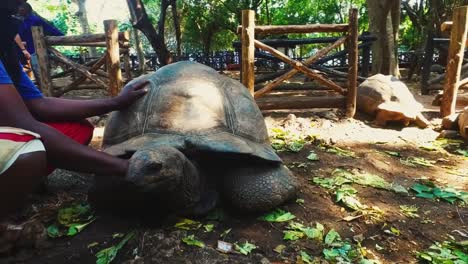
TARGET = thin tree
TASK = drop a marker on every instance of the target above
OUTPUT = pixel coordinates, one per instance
(384, 22)
(156, 36)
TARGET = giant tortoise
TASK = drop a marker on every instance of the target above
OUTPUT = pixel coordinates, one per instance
(195, 137)
(389, 99)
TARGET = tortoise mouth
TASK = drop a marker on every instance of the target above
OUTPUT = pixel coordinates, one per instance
(224, 143)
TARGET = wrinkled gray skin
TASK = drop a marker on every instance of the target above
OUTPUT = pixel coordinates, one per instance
(197, 136)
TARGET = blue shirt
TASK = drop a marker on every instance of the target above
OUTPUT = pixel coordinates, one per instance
(24, 86)
(25, 31)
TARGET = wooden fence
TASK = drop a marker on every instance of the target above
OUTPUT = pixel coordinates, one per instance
(456, 52)
(346, 97)
(110, 79)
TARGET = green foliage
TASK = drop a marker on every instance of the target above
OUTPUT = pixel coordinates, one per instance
(430, 191)
(277, 215)
(107, 255)
(192, 241)
(445, 253)
(71, 220)
(245, 248)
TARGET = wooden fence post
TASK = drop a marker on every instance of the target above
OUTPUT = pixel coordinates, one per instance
(455, 60)
(248, 49)
(40, 45)
(113, 57)
(353, 63)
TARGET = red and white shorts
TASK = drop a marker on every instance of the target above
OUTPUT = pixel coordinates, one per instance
(15, 142)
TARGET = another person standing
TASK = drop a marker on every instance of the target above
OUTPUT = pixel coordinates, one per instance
(29, 20)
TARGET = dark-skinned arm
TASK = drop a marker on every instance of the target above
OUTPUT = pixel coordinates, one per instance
(58, 109)
(62, 152)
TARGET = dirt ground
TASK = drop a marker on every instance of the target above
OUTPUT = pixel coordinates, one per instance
(162, 243)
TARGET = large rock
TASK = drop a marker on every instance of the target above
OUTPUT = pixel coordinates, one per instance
(389, 99)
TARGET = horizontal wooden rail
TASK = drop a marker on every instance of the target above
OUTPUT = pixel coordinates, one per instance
(81, 40)
(269, 103)
(296, 42)
(291, 29)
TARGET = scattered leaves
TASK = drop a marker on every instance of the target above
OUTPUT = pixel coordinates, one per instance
(225, 233)
(430, 191)
(277, 216)
(71, 220)
(192, 241)
(279, 249)
(107, 255)
(337, 151)
(445, 252)
(306, 258)
(409, 211)
(313, 156)
(245, 248)
(392, 153)
(208, 227)
(188, 224)
(417, 161)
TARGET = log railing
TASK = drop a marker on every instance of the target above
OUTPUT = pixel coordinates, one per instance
(458, 40)
(109, 78)
(347, 97)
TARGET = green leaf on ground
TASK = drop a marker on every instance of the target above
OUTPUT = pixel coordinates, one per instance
(331, 237)
(245, 248)
(75, 214)
(338, 151)
(279, 249)
(188, 224)
(430, 191)
(192, 241)
(463, 152)
(107, 255)
(392, 153)
(208, 227)
(295, 146)
(445, 252)
(311, 233)
(306, 258)
(225, 233)
(71, 220)
(313, 156)
(300, 201)
(293, 235)
(277, 216)
(409, 211)
(76, 228)
(417, 161)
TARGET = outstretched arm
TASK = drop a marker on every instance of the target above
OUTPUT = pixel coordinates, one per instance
(58, 109)
(62, 152)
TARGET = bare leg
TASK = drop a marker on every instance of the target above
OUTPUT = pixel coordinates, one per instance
(20, 180)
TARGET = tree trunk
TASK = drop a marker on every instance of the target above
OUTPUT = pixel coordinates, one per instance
(143, 23)
(83, 18)
(138, 46)
(384, 20)
(175, 16)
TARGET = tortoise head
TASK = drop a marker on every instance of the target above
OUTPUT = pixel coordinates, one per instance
(160, 169)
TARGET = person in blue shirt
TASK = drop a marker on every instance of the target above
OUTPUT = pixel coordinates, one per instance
(24, 108)
(29, 20)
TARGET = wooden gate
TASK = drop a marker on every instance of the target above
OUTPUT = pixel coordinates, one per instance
(346, 97)
(116, 44)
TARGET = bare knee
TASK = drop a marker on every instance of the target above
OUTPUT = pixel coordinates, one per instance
(21, 179)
